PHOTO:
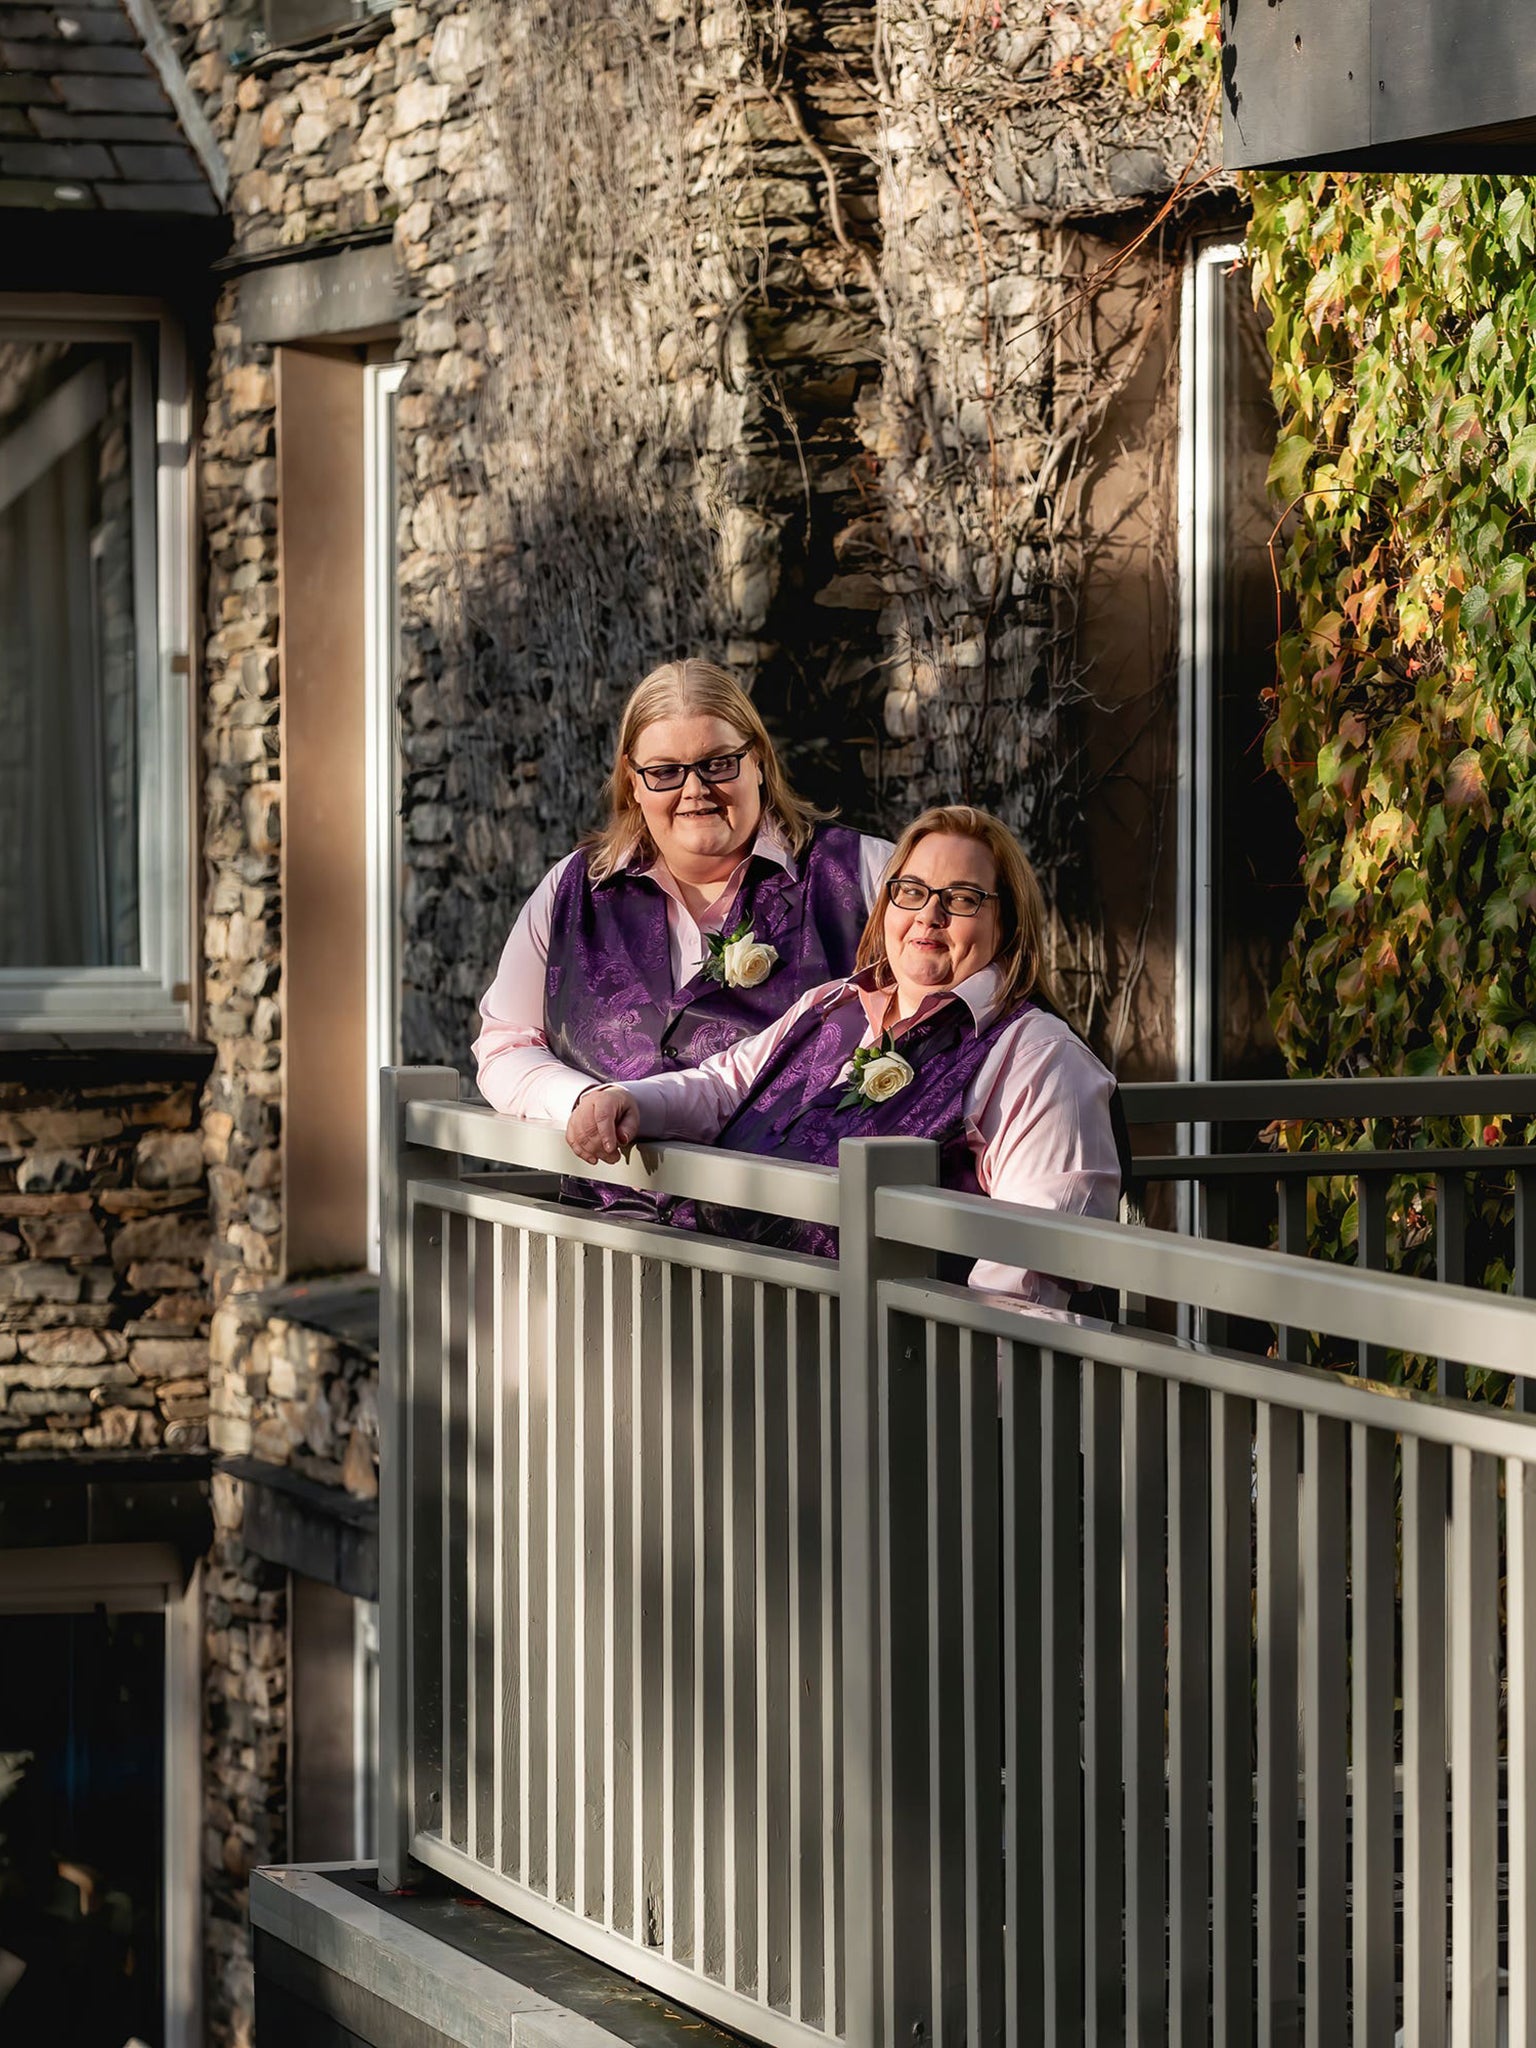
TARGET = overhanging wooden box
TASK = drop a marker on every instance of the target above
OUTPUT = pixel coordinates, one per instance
(1434, 85)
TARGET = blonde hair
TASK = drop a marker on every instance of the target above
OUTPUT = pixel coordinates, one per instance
(674, 689)
(1021, 907)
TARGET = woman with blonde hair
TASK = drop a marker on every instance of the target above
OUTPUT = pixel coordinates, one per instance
(711, 898)
(946, 1030)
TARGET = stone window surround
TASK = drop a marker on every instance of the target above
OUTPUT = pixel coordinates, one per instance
(155, 995)
(145, 1578)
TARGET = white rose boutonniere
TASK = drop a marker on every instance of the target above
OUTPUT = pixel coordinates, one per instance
(741, 960)
(876, 1073)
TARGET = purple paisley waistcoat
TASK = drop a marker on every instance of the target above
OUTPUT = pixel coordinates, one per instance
(609, 1004)
(610, 1007)
(793, 1112)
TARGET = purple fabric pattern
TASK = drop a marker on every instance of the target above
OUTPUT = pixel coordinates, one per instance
(609, 1005)
(610, 1008)
(793, 1112)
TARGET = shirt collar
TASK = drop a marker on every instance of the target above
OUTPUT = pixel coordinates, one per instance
(981, 993)
(770, 844)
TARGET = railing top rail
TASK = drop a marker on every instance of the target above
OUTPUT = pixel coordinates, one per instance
(1344, 1099)
(686, 1249)
(1386, 1309)
(699, 1172)
(1498, 1432)
(1325, 1165)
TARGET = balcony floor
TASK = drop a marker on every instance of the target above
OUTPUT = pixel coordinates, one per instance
(341, 1965)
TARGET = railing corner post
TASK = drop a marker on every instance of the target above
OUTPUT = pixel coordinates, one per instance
(865, 1165)
(399, 1163)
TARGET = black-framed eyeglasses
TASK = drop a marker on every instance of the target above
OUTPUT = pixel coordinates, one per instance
(959, 900)
(661, 776)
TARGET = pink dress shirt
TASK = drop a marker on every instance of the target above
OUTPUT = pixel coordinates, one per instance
(518, 1073)
(1036, 1113)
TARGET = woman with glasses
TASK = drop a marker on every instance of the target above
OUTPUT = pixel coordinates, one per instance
(710, 900)
(945, 1030)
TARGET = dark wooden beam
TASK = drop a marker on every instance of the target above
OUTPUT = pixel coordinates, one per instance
(1433, 85)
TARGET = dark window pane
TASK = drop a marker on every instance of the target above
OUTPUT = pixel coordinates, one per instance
(82, 1746)
(68, 668)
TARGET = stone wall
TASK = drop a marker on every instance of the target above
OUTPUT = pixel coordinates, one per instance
(104, 1234)
(296, 1396)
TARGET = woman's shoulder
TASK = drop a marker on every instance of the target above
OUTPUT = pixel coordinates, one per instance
(1040, 1036)
(828, 832)
(539, 903)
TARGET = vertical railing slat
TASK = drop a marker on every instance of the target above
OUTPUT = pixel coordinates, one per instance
(1325, 1725)
(864, 1529)
(485, 1398)
(1232, 1694)
(1024, 1905)
(405, 1289)
(1291, 1236)
(778, 1933)
(1146, 1976)
(1371, 1190)
(504, 1490)
(912, 1823)
(424, 1425)
(1451, 1263)
(949, 1733)
(1278, 1703)
(980, 1967)
(1189, 1709)
(1103, 1660)
(454, 1509)
(1474, 1580)
(1373, 1595)
(1523, 1282)
(1061, 1647)
(1426, 1492)
(680, 1484)
(1520, 1597)
(569, 1282)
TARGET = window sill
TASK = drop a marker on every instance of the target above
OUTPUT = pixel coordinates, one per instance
(149, 1055)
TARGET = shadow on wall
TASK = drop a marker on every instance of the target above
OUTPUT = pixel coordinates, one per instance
(519, 670)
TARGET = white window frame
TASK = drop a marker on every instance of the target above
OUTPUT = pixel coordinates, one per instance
(146, 1578)
(156, 994)
(1202, 400)
(381, 497)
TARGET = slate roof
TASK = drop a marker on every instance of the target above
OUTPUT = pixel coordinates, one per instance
(96, 114)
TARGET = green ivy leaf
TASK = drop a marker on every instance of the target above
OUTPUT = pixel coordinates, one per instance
(1287, 475)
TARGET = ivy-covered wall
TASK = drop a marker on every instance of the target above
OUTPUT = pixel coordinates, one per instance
(1402, 331)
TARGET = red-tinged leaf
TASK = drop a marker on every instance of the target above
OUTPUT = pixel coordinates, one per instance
(1465, 782)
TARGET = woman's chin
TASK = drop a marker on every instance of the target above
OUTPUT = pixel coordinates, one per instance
(703, 835)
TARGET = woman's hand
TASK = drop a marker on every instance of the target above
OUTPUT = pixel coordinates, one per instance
(604, 1124)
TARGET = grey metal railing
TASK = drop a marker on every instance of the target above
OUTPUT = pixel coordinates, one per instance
(853, 1657)
(1239, 1188)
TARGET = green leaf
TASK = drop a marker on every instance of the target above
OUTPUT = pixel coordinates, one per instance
(1510, 578)
(1288, 468)
(1522, 461)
